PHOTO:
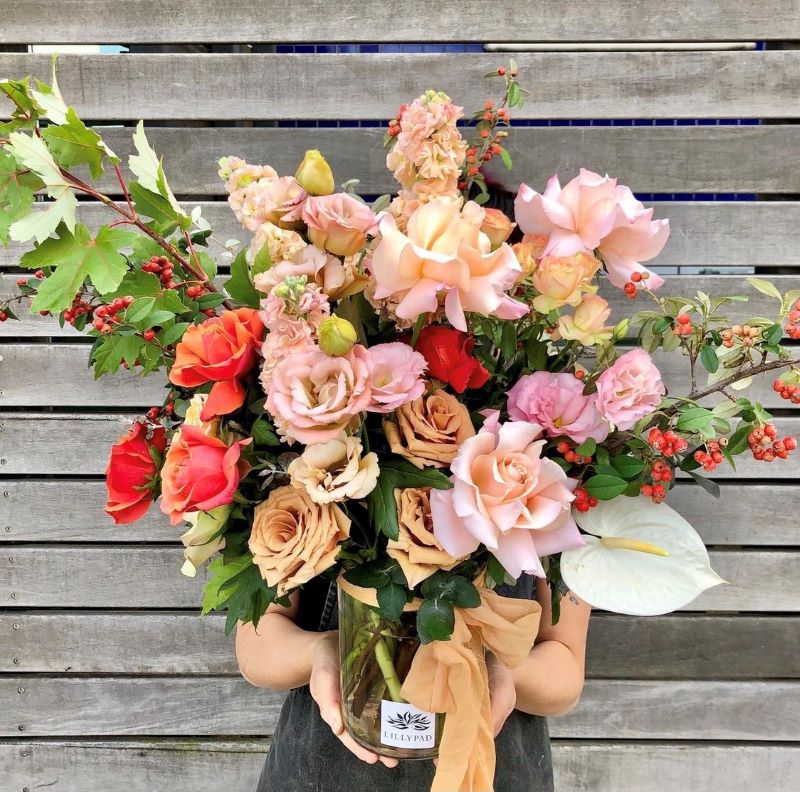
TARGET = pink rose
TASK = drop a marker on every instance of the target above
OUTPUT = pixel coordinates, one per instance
(396, 376)
(338, 223)
(594, 212)
(313, 397)
(508, 497)
(556, 401)
(630, 389)
(445, 253)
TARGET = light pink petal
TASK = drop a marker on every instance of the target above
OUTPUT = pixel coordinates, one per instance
(454, 310)
(565, 536)
(518, 435)
(447, 525)
(564, 243)
(421, 298)
(517, 553)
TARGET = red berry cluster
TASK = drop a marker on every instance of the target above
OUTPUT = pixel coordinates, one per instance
(668, 443)
(767, 447)
(712, 456)
(657, 492)
(105, 316)
(154, 413)
(792, 326)
(660, 474)
(394, 123)
(583, 500)
(78, 308)
(161, 266)
(786, 391)
(630, 287)
(566, 450)
(746, 334)
(683, 325)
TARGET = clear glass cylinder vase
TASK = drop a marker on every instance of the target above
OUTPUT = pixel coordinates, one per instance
(376, 656)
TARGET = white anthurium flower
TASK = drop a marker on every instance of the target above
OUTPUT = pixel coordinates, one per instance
(641, 559)
(201, 540)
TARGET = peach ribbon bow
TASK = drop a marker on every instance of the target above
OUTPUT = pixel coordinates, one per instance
(451, 677)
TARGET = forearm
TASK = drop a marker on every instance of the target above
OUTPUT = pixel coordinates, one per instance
(550, 680)
(278, 655)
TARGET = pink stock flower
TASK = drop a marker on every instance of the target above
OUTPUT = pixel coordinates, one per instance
(287, 336)
(594, 212)
(630, 389)
(557, 403)
(396, 376)
(508, 497)
(313, 396)
(305, 301)
(444, 252)
(339, 223)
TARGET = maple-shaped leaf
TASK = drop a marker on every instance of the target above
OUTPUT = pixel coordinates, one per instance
(146, 166)
(17, 187)
(73, 143)
(76, 257)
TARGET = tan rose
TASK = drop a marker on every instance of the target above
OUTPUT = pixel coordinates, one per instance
(429, 431)
(294, 539)
(335, 470)
(416, 549)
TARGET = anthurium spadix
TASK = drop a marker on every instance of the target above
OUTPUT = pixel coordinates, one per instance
(640, 558)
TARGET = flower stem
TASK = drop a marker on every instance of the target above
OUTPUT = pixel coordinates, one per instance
(387, 669)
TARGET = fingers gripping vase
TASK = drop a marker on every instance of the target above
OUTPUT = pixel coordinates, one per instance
(375, 657)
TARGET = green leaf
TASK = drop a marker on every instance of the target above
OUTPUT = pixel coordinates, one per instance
(220, 573)
(773, 334)
(72, 143)
(263, 432)
(711, 487)
(391, 600)
(139, 309)
(695, 419)
(250, 599)
(153, 205)
(587, 448)
(136, 284)
(605, 487)
(737, 442)
(506, 157)
(435, 621)
(627, 466)
(17, 187)
(262, 261)
(240, 284)
(508, 342)
(171, 335)
(108, 354)
(709, 359)
(146, 166)
(765, 287)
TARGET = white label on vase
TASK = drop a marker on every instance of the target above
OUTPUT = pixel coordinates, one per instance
(405, 726)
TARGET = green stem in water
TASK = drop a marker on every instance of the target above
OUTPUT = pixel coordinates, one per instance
(387, 669)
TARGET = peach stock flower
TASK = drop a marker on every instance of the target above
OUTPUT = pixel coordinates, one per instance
(294, 539)
(507, 497)
(630, 389)
(283, 244)
(587, 324)
(313, 397)
(444, 253)
(280, 201)
(563, 280)
(339, 223)
(429, 431)
(416, 548)
(288, 336)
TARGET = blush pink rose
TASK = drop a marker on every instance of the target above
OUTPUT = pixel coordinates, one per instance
(508, 497)
(630, 389)
(557, 403)
(396, 376)
(339, 223)
(593, 212)
(314, 396)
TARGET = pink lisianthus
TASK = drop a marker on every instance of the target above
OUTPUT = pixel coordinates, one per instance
(557, 403)
(314, 396)
(593, 212)
(396, 376)
(630, 389)
(339, 223)
(508, 497)
(444, 252)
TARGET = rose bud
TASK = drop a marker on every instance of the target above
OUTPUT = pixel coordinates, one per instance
(314, 174)
(497, 227)
(336, 336)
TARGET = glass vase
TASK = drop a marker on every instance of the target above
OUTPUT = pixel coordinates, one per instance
(375, 657)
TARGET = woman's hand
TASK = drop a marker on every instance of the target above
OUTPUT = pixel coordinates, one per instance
(324, 686)
(502, 691)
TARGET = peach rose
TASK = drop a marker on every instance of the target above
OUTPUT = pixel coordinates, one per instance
(587, 325)
(497, 227)
(563, 280)
(335, 470)
(429, 431)
(280, 201)
(339, 223)
(313, 397)
(528, 252)
(416, 549)
(294, 539)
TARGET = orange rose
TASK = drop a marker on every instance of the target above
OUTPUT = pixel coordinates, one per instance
(497, 227)
(221, 350)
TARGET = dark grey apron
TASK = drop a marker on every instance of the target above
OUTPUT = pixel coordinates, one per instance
(305, 756)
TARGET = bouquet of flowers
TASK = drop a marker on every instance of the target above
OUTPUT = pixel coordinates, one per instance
(420, 397)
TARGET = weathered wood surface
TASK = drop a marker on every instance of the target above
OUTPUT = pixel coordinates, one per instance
(278, 21)
(658, 159)
(195, 706)
(50, 443)
(565, 85)
(620, 647)
(72, 511)
(186, 766)
(704, 233)
(149, 577)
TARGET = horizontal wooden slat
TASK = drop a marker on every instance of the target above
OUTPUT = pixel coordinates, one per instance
(149, 577)
(704, 233)
(609, 709)
(619, 647)
(579, 766)
(562, 85)
(167, 21)
(28, 510)
(49, 443)
(658, 159)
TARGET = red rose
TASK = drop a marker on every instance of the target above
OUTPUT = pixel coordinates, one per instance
(221, 350)
(448, 353)
(130, 472)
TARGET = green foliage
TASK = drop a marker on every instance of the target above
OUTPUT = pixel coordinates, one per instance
(73, 143)
(155, 206)
(435, 620)
(605, 486)
(17, 187)
(146, 166)
(240, 284)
